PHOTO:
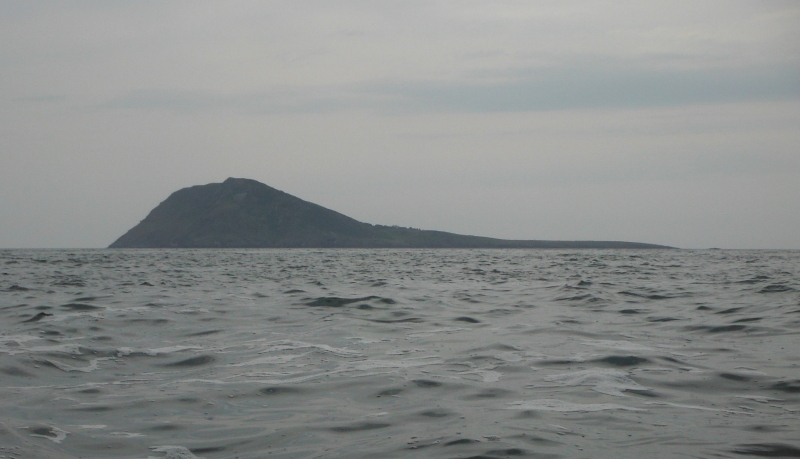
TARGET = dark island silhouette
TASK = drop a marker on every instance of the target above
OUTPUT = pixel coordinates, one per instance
(244, 213)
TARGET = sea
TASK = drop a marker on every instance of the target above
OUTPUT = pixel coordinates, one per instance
(383, 353)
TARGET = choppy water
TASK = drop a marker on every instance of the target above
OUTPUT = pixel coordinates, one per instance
(399, 353)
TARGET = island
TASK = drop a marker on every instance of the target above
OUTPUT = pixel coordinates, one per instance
(244, 213)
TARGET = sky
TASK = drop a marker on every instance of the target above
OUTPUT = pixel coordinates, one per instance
(670, 122)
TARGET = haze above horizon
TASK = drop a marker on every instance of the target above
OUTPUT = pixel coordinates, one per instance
(673, 124)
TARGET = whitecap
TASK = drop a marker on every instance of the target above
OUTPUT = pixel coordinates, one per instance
(68, 368)
(275, 359)
(750, 371)
(127, 434)
(567, 407)
(18, 339)
(488, 376)
(194, 310)
(13, 344)
(173, 452)
(403, 351)
(58, 435)
(759, 399)
(72, 349)
(609, 382)
(618, 345)
(509, 356)
(405, 363)
(363, 340)
(288, 345)
(436, 331)
(170, 349)
(124, 351)
(693, 407)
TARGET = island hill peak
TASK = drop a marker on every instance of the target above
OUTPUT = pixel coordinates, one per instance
(244, 213)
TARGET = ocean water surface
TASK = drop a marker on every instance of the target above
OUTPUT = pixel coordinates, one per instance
(399, 353)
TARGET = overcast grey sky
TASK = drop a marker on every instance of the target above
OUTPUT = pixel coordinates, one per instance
(671, 122)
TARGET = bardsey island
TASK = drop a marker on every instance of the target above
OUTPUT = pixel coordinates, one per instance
(244, 213)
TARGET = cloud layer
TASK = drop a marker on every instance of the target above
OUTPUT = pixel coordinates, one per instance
(648, 121)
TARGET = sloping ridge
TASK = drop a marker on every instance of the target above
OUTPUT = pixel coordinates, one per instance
(242, 213)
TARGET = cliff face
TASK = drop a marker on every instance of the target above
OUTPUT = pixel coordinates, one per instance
(245, 213)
